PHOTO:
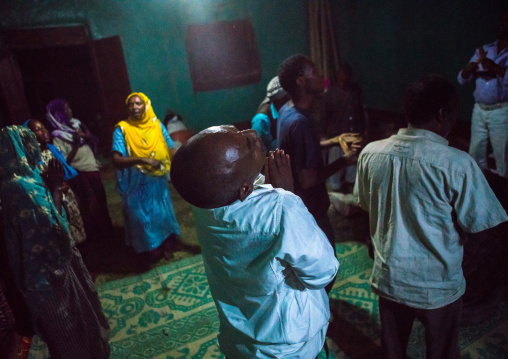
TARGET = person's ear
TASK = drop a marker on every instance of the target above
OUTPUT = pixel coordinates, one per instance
(443, 115)
(245, 190)
(300, 81)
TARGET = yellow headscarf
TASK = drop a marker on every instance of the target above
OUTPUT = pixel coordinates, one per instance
(144, 138)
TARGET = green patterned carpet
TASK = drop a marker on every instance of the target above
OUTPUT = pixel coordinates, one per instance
(150, 321)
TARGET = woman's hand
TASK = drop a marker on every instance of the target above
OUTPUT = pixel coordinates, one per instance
(54, 175)
(156, 164)
(76, 138)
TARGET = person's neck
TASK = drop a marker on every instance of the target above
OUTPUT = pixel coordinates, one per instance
(432, 127)
(303, 100)
(43, 146)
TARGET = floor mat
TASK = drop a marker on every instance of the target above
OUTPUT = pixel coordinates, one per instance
(169, 313)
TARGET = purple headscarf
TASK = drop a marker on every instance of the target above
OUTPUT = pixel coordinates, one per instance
(57, 109)
(63, 126)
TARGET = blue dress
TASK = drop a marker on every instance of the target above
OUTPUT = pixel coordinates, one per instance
(148, 212)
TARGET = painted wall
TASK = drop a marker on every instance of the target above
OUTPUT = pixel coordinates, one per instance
(391, 43)
(153, 38)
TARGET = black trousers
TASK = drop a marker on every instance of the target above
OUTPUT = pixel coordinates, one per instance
(441, 329)
(324, 223)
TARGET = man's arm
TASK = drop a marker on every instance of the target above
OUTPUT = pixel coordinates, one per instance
(304, 246)
(468, 70)
(476, 206)
(466, 74)
(308, 153)
(309, 177)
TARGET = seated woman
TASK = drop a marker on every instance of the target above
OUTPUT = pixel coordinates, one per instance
(77, 144)
(48, 151)
(142, 155)
(46, 266)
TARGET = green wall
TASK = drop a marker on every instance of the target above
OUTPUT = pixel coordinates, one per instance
(389, 44)
(153, 38)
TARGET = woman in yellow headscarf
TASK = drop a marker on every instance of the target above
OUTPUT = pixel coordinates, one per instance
(142, 151)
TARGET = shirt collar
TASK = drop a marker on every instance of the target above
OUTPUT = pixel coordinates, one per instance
(429, 135)
(259, 183)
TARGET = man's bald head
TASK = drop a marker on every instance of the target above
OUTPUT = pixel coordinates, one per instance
(217, 166)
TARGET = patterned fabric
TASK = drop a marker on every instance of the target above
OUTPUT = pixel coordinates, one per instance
(168, 313)
(93, 206)
(37, 236)
(148, 211)
(71, 322)
(70, 204)
(69, 171)
(144, 138)
(46, 266)
(6, 321)
(421, 196)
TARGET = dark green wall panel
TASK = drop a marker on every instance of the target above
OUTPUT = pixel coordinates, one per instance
(153, 37)
(389, 43)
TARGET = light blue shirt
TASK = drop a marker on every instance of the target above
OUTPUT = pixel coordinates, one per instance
(420, 194)
(489, 90)
(267, 264)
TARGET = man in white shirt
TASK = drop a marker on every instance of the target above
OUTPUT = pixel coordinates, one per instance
(421, 196)
(489, 122)
(266, 260)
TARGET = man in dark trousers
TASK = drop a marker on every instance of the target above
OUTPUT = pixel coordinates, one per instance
(422, 195)
(298, 136)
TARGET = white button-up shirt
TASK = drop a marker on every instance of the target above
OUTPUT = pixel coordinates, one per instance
(267, 263)
(489, 90)
(420, 195)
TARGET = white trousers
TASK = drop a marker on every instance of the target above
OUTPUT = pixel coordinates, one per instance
(490, 125)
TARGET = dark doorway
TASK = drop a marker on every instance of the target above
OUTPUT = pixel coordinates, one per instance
(64, 62)
(60, 72)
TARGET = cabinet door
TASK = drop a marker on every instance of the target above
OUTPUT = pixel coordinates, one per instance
(13, 105)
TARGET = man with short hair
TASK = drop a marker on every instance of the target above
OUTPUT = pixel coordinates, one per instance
(266, 280)
(421, 196)
(298, 136)
(489, 121)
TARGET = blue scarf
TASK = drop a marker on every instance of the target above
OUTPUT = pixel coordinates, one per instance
(69, 171)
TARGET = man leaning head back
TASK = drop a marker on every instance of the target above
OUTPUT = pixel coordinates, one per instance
(217, 166)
